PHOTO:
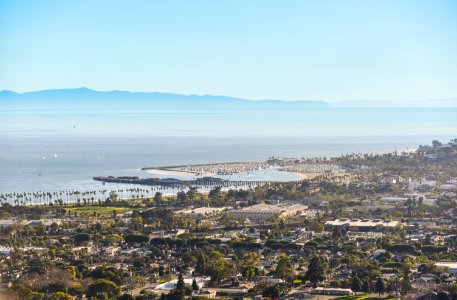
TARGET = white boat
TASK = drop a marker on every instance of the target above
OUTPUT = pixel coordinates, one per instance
(55, 155)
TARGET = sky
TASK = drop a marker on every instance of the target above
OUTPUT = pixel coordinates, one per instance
(293, 50)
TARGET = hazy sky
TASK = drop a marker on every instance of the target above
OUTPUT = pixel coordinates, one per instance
(327, 50)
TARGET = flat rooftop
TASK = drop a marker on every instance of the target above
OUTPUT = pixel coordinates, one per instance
(362, 223)
(271, 208)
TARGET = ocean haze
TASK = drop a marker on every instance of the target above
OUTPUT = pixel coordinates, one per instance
(85, 112)
(28, 162)
(117, 133)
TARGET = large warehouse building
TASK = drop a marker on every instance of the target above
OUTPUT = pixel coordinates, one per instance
(268, 211)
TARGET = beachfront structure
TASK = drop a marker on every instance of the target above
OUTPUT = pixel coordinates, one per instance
(208, 179)
(169, 181)
(363, 224)
(265, 211)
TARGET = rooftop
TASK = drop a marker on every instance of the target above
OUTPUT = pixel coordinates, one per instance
(362, 222)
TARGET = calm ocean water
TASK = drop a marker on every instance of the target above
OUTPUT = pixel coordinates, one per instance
(63, 150)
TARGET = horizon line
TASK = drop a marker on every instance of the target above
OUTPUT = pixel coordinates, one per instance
(226, 96)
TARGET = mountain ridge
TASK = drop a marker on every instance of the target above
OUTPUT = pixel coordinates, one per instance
(85, 98)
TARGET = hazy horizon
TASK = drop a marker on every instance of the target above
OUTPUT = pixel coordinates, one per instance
(450, 101)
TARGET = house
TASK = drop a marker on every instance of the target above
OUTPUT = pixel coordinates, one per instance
(4, 251)
(451, 266)
(111, 251)
(6, 223)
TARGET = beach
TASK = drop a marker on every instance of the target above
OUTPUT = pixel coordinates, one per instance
(175, 172)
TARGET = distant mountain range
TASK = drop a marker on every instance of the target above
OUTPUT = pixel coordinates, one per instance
(84, 98)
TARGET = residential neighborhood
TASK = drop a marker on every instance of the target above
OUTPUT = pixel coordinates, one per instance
(354, 237)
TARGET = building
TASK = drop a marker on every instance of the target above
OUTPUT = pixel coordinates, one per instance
(363, 224)
(450, 266)
(45, 222)
(331, 291)
(202, 212)
(265, 211)
(393, 200)
(6, 223)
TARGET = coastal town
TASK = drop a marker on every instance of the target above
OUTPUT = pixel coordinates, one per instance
(358, 226)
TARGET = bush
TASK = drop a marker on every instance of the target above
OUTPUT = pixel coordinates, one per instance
(401, 248)
(434, 249)
(136, 238)
(391, 264)
(81, 238)
(61, 296)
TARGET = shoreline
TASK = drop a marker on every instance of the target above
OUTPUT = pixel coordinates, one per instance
(304, 176)
(165, 171)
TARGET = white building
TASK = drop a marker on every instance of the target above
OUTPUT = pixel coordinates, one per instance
(363, 224)
(202, 212)
(268, 211)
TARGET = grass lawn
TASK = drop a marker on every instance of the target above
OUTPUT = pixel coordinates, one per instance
(102, 210)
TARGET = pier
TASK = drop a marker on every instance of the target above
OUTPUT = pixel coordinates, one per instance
(173, 182)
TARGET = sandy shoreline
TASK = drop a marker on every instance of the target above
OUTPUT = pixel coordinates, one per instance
(163, 171)
(304, 176)
(307, 176)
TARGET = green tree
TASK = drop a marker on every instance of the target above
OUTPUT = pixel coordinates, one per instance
(316, 227)
(405, 283)
(249, 264)
(158, 197)
(380, 287)
(180, 284)
(219, 268)
(181, 197)
(356, 285)
(316, 271)
(216, 197)
(192, 193)
(284, 268)
(103, 286)
(195, 286)
(113, 196)
(200, 266)
(366, 288)
(81, 238)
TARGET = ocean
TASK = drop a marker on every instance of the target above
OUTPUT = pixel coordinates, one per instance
(46, 150)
